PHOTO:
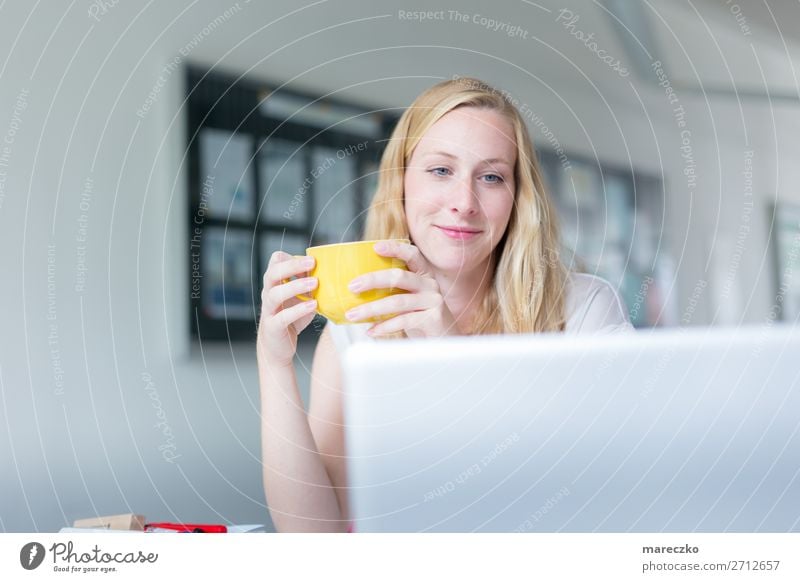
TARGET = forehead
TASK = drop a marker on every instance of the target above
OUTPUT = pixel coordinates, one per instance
(469, 132)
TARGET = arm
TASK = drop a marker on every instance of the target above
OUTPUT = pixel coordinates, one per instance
(296, 482)
(326, 417)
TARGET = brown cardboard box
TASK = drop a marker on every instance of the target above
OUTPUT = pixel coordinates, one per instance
(125, 521)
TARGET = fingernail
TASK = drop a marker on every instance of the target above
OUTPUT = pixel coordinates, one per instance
(311, 304)
(355, 285)
(310, 283)
(309, 262)
(381, 247)
(353, 314)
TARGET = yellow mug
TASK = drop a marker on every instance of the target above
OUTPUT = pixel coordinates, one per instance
(338, 264)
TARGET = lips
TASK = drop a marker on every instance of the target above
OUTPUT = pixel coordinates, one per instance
(459, 232)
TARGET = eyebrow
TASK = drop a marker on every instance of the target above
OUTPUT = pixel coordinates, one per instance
(487, 161)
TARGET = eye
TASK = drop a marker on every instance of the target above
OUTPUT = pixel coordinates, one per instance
(493, 179)
(439, 171)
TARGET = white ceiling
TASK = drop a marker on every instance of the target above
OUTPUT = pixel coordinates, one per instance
(700, 42)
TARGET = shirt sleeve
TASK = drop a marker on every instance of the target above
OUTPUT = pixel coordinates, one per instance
(602, 311)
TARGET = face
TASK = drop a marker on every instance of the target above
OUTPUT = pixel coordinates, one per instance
(459, 189)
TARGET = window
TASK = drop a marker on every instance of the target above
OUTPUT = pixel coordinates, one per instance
(611, 225)
(268, 170)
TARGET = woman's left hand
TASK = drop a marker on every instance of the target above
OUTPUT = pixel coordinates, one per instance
(422, 312)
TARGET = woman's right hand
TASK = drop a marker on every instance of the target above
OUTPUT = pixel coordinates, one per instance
(283, 315)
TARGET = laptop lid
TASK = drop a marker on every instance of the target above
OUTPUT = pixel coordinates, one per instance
(676, 430)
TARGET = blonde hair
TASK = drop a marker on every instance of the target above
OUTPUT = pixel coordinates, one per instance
(529, 296)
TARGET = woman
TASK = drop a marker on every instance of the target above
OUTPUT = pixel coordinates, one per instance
(459, 178)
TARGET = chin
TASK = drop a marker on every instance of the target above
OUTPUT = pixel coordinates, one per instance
(454, 261)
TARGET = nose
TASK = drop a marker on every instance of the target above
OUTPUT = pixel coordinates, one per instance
(462, 199)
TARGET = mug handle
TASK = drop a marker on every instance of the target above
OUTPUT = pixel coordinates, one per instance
(301, 296)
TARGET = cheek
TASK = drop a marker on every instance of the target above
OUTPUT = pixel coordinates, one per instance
(412, 204)
(417, 200)
(499, 213)
(409, 202)
(409, 192)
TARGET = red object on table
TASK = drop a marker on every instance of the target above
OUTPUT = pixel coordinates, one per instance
(186, 527)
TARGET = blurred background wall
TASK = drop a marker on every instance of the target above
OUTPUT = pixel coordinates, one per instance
(108, 403)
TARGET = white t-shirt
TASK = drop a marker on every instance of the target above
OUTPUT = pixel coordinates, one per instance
(592, 306)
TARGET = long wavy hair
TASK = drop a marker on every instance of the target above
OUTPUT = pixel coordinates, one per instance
(528, 294)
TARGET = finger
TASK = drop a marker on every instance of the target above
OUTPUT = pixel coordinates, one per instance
(278, 257)
(405, 251)
(412, 323)
(396, 324)
(279, 271)
(280, 293)
(400, 303)
(303, 322)
(392, 279)
(286, 317)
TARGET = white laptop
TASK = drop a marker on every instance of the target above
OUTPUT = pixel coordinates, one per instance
(677, 430)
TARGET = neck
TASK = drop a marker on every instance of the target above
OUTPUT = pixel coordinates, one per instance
(464, 293)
